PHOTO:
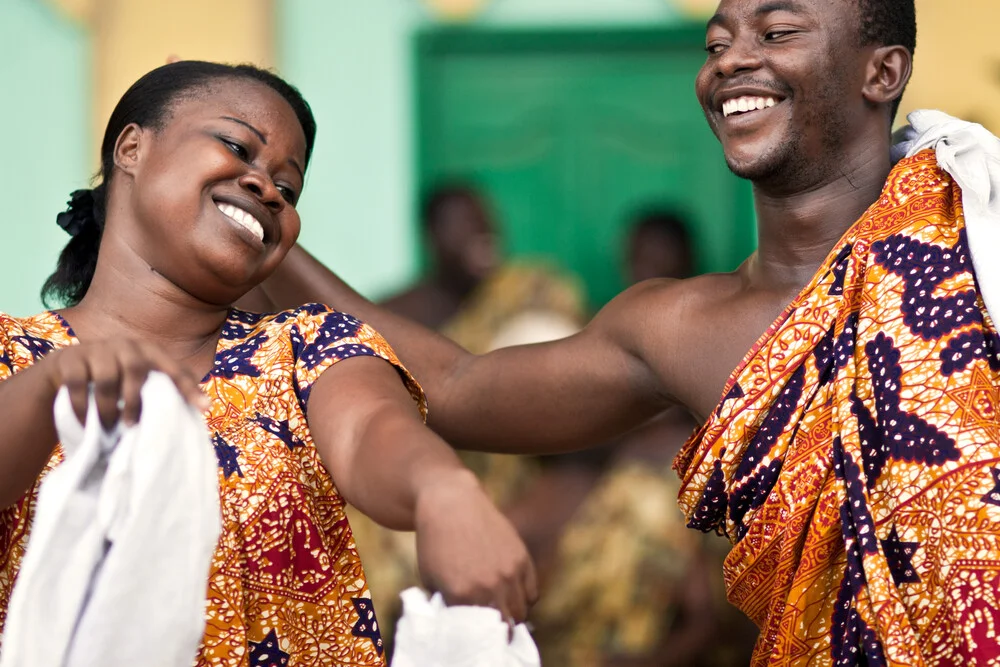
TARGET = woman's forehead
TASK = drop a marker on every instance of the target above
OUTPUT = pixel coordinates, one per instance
(248, 101)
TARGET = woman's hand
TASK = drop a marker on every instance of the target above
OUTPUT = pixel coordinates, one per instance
(468, 550)
(116, 369)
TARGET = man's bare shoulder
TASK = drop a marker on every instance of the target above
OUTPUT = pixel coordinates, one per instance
(655, 299)
(692, 333)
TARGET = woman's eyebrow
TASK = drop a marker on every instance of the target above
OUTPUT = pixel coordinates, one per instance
(260, 135)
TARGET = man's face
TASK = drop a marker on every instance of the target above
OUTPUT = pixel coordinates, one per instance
(781, 86)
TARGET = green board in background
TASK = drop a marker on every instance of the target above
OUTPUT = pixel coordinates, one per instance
(568, 132)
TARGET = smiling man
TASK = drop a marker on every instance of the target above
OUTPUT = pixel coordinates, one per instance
(854, 457)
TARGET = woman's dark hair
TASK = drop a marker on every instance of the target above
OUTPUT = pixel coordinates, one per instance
(148, 103)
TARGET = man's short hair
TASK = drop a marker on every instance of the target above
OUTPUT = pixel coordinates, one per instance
(888, 23)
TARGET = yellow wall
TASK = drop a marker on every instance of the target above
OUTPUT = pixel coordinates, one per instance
(957, 65)
(131, 37)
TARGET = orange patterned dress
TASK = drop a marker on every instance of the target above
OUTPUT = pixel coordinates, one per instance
(286, 585)
(854, 461)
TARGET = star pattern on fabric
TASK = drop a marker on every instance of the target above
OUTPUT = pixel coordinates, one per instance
(975, 400)
(238, 360)
(736, 391)
(899, 555)
(267, 652)
(367, 625)
(228, 456)
(993, 497)
(281, 429)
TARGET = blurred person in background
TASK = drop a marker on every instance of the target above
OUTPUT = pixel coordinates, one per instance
(476, 298)
(611, 511)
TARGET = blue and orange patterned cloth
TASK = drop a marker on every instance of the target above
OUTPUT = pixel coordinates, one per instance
(854, 461)
(286, 585)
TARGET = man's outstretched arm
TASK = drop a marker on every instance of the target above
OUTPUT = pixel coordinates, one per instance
(544, 398)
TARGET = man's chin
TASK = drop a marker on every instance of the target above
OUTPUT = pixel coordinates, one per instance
(757, 168)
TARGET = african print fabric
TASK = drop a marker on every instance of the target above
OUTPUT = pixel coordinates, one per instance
(286, 585)
(855, 458)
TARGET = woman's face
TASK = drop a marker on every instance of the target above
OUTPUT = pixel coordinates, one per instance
(212, 193)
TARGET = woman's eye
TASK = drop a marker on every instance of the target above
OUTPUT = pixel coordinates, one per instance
(237, 149)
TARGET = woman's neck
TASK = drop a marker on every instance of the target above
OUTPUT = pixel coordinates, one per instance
(127, 298)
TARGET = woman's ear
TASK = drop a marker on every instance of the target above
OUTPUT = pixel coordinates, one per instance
(128, 148)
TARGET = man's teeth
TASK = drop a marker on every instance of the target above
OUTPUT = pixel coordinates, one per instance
(242, 218)
(746, 103)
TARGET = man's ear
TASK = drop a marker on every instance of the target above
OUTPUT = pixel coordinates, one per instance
(887, 74)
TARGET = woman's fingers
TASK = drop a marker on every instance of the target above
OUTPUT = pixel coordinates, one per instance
(75, 376)
(186, 383)
(106, 378)
(529, 578)
(116, 371)
(135, 370)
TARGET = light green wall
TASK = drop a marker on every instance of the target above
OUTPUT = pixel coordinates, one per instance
(44, 75)
(352, 61)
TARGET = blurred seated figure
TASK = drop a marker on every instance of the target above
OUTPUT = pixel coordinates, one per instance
(482, 302)
(624, 582)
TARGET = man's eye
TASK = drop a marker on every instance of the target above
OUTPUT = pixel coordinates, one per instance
(714, 48)
(777, 34)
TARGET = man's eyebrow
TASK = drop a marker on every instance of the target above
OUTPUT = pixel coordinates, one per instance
(780, 6)
(721, 19)
(260, 135)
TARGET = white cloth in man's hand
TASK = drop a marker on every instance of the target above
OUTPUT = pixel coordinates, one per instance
(116, 569)
(431, 634)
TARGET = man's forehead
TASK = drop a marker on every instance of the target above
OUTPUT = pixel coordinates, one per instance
(748, 9)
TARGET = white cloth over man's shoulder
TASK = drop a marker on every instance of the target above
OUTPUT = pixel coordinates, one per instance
(431, 634)
(971, 155)
(116, 569)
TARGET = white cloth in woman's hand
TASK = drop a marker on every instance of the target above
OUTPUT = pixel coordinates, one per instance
(431, 634)
(117, 564)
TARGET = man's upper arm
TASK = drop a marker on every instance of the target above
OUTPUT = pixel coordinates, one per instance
(559, 396)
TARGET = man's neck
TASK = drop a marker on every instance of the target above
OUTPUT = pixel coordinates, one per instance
(797, 230)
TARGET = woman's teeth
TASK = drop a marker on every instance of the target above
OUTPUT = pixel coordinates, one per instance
(745, 104)
(242, 218)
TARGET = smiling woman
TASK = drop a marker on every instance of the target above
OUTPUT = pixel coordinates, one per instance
(201, 168)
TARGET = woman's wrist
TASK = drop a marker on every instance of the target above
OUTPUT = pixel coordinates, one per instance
(441, 490)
